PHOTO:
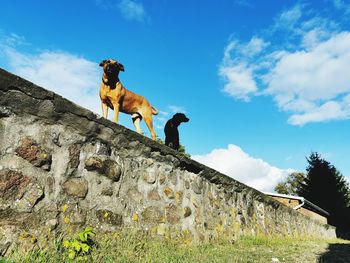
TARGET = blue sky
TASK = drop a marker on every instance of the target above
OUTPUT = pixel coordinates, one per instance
(264, 83)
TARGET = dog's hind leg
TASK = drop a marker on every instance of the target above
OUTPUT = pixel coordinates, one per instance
(148, 121)
(136, 119)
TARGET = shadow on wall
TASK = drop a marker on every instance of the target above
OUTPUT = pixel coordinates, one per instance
(343, 233)
(336, 253)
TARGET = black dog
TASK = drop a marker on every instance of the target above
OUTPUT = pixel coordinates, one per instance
(171, 132)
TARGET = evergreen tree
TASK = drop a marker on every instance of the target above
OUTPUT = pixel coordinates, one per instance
(327, 188)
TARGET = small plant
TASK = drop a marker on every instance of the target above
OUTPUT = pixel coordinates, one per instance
(81, 246)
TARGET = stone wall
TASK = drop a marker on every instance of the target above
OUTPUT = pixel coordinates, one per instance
(63, 167)
(294, 203)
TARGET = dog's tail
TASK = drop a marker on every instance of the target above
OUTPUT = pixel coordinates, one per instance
(154, 110)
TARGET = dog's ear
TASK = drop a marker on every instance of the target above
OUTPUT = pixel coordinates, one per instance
(103, 62)
(121, 67)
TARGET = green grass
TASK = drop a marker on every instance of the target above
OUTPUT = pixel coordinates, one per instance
(139, 248)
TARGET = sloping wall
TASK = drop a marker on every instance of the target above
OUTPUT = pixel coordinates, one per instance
(63, 167)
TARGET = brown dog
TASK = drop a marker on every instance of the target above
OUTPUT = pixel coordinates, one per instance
(115, 96)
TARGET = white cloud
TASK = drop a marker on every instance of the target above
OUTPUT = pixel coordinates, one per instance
(239, 165)
(129, 9)
(289, 18)
(236, 70)
(313, 82)
(132, 10)
(239, 81)
(307, 75)
(176, 109)
(341, 5)
(243, 3)
(73, 77)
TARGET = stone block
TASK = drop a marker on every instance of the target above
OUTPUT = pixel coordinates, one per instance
(74, 155)
(29, 150)
(32, 195)
(108, 217)
(153, 196)
(169, 193)
(76, 187)
(104, 166)
(187, 211)
(152, 215)
(172, 214)
(13, 184)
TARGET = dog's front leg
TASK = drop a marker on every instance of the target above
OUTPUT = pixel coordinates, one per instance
(104, 110)
(116, 112)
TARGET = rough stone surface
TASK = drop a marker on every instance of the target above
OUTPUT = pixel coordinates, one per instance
(33, 193)
(152, 215)
(187, 211)
(107, 216)
(99, 174)
(12, 184)
(76, 187)
(153, 196)
(104, 166)
(74, 156)
(29, 150)
(108, 191)
(169, 193)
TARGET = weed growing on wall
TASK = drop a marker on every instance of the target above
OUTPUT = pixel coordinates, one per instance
(81, 246)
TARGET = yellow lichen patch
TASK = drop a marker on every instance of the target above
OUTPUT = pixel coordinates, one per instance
(106, 215)
(25, 236)
(66, 220)
(135, 217)
(116, 235)
(219, 229)
(64, 208)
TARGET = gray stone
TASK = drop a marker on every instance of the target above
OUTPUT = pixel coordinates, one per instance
(149, 177)
(197, 187)
(104, 166)
(74, 155)
(108, 191)
(112, 170)
(76, 187)
(135, 195)
(153, 196)
(173, 178)
(152, 215)
(33, 193)
(52, 224)
(172, 214)
(107, 216)
(94, 163)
